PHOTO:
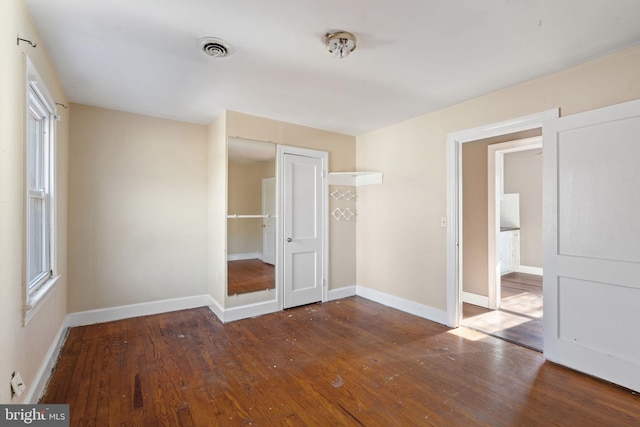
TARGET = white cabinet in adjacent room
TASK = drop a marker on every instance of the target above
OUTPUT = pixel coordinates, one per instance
(509, 250)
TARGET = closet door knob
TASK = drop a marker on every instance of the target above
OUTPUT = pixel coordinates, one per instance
(288, 239)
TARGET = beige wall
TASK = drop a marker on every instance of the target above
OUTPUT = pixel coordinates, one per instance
(475, 265)
(217, 209)
(245, 198)
(341, 149)
(475, 187)
(24, 347)
(523, 175)
(137, 209)
(401, 246)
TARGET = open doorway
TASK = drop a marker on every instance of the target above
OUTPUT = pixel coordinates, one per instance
(509, 303)
(517, 128)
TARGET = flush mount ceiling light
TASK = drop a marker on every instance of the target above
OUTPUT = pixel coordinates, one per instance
(341, 43)
(214, 47)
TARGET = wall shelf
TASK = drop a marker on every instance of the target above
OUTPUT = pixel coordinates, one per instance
(355, 178)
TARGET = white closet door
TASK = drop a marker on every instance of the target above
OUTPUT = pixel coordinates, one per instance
(304, 234)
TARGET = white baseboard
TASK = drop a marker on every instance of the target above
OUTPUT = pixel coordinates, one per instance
(249, 255)
(258, 309)
(529, 270)
(41, 379)
(217, 309)
(249, 310)
(475, 299)
(339, 293)
(136, 310)
(411, 307)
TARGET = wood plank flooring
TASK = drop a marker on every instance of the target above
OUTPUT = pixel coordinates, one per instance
(343, 363)
(249, 275)
(520, 317)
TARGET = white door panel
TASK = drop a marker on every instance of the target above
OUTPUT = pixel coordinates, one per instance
(304, 185)
(585, 198)
(304, 269)
(614, 305)
(591, 250)
(304, 228)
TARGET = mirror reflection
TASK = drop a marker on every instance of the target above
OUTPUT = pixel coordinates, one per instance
(251, 216)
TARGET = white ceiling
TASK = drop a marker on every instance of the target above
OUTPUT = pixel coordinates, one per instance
(413, 56)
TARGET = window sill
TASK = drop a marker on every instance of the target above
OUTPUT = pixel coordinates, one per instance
(37, 299)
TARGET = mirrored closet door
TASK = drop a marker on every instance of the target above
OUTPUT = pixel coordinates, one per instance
(251, 216)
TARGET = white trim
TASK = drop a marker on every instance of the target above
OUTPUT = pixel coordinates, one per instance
(475, 299)
(248, 255)
(454, 194)
(35, 296)
(101, 315)
(249, 310)
(495, 184)
(402, 304)
(340, 293)
(41, 378)
(216, 309)
(38, 298)
(530, 270)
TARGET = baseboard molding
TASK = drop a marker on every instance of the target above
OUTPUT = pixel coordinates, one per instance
(411, 307)
(136, 310)
(249, 255)
(475, 299)
(249, 310)
(217, 309)
(41, 379)
(529, 270)
(339, 293)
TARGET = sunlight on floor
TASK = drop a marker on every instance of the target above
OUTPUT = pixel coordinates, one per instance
(500, 320)
(468, 334)
(525, 304)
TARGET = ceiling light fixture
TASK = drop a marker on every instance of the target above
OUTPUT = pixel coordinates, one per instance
(341, 43)
(214, 47)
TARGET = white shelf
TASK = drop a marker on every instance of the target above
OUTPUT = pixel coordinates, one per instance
(355, 178)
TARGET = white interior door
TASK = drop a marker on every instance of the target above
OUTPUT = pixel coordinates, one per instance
(269, 223)
(591, 242)
(304, 227)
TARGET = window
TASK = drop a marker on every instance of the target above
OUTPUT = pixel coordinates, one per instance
(40, 201)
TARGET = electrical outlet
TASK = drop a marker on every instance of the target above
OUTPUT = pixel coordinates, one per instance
(443, 221)
(17, 385)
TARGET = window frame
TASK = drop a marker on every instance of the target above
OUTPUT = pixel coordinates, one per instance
(39, 104)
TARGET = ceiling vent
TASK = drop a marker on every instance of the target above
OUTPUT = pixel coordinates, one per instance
(214, 47)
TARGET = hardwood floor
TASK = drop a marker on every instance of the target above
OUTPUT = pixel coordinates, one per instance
(347, 362)
(249, 275)
(519, 318)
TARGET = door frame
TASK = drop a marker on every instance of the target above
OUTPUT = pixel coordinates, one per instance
(275, 236)
(281, 150)
(454, 197)
(495, 183)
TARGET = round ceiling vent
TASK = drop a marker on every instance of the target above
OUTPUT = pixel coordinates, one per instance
(214, 47)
